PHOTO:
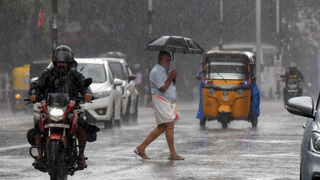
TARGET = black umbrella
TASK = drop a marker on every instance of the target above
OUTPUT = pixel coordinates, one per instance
(175, 44)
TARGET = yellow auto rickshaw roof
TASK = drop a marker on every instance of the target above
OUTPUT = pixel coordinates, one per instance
(246, 54)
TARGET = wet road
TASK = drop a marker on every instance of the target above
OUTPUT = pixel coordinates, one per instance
(269, 152)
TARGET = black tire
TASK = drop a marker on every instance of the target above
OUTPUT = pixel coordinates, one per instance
(126, 116)
(254, 122)
(224, 120)
(117, 123)
(203, 123)
(56, 161)
(110, 124)
(134, 116)
(224, 125)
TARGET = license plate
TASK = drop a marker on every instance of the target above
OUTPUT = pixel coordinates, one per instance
(225, 98)
(57, 126)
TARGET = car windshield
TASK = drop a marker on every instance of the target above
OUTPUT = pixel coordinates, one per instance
(117, 70)
(94, 71)
(226, 70)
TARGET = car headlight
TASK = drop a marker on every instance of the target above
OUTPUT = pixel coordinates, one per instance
(315, 142)
(56, 114)
(101, 94)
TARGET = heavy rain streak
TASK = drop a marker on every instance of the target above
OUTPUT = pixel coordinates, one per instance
(241, 67)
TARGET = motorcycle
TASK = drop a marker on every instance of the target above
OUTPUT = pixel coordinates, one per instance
(292, 89)
(59, 118)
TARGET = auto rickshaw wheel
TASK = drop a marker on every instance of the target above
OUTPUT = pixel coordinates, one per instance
(224, 125)
(224, 120)
(254, 122)
(203, 123)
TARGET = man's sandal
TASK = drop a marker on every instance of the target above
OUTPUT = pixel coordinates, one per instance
(81, 163)
(144, 156)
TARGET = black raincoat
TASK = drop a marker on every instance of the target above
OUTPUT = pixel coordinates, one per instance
(54, 80)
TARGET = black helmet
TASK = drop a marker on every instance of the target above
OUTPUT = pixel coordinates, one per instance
(293, 65)
(62, 54)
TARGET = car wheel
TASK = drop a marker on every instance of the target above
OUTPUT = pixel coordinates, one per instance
(110, 124)
(126, 116)
(134, 116)
(117, 123)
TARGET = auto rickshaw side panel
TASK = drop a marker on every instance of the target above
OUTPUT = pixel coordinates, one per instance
(210, 104)
(241, 105)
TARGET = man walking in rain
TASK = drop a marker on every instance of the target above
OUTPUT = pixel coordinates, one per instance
(164, 95)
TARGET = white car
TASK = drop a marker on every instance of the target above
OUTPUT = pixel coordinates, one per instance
(103, 87)
(130, 97)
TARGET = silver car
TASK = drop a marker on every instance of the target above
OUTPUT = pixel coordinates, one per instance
(310, 146)
(103, 87)
(130, 97)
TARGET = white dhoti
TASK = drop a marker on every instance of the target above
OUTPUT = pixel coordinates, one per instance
(165, 111)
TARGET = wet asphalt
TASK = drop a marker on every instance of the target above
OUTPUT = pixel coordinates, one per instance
(270, 151)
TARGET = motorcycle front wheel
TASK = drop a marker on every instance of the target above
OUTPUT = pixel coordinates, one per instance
(56, 161)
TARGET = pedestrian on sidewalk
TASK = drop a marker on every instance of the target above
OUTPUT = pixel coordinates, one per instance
(164, 95)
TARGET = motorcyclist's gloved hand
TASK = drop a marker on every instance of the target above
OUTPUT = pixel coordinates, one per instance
(87, 97)
(33, 98)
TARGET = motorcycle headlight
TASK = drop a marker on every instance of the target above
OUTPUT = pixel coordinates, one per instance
(56, 114)
(315, 142)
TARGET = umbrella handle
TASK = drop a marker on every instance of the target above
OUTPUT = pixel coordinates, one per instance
(173, 62)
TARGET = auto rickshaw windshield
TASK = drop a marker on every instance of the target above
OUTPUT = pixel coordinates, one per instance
(235, 70)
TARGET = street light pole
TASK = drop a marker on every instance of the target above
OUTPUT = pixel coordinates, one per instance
(279, 51)
(54, 37)
(150, 15)
(221, 25)
(258, 42)
(149, 29)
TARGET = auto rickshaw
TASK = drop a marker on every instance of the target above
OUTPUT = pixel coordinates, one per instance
(20, 82)
(228, 89)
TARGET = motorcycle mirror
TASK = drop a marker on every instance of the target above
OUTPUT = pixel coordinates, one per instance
(87, 82)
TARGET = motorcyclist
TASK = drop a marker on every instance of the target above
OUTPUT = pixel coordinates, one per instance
(62, 77)
(293, 72)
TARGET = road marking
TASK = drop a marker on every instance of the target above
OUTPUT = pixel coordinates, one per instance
(15, 147)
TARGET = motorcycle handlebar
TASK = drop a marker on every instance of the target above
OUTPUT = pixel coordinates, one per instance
(78, 99)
